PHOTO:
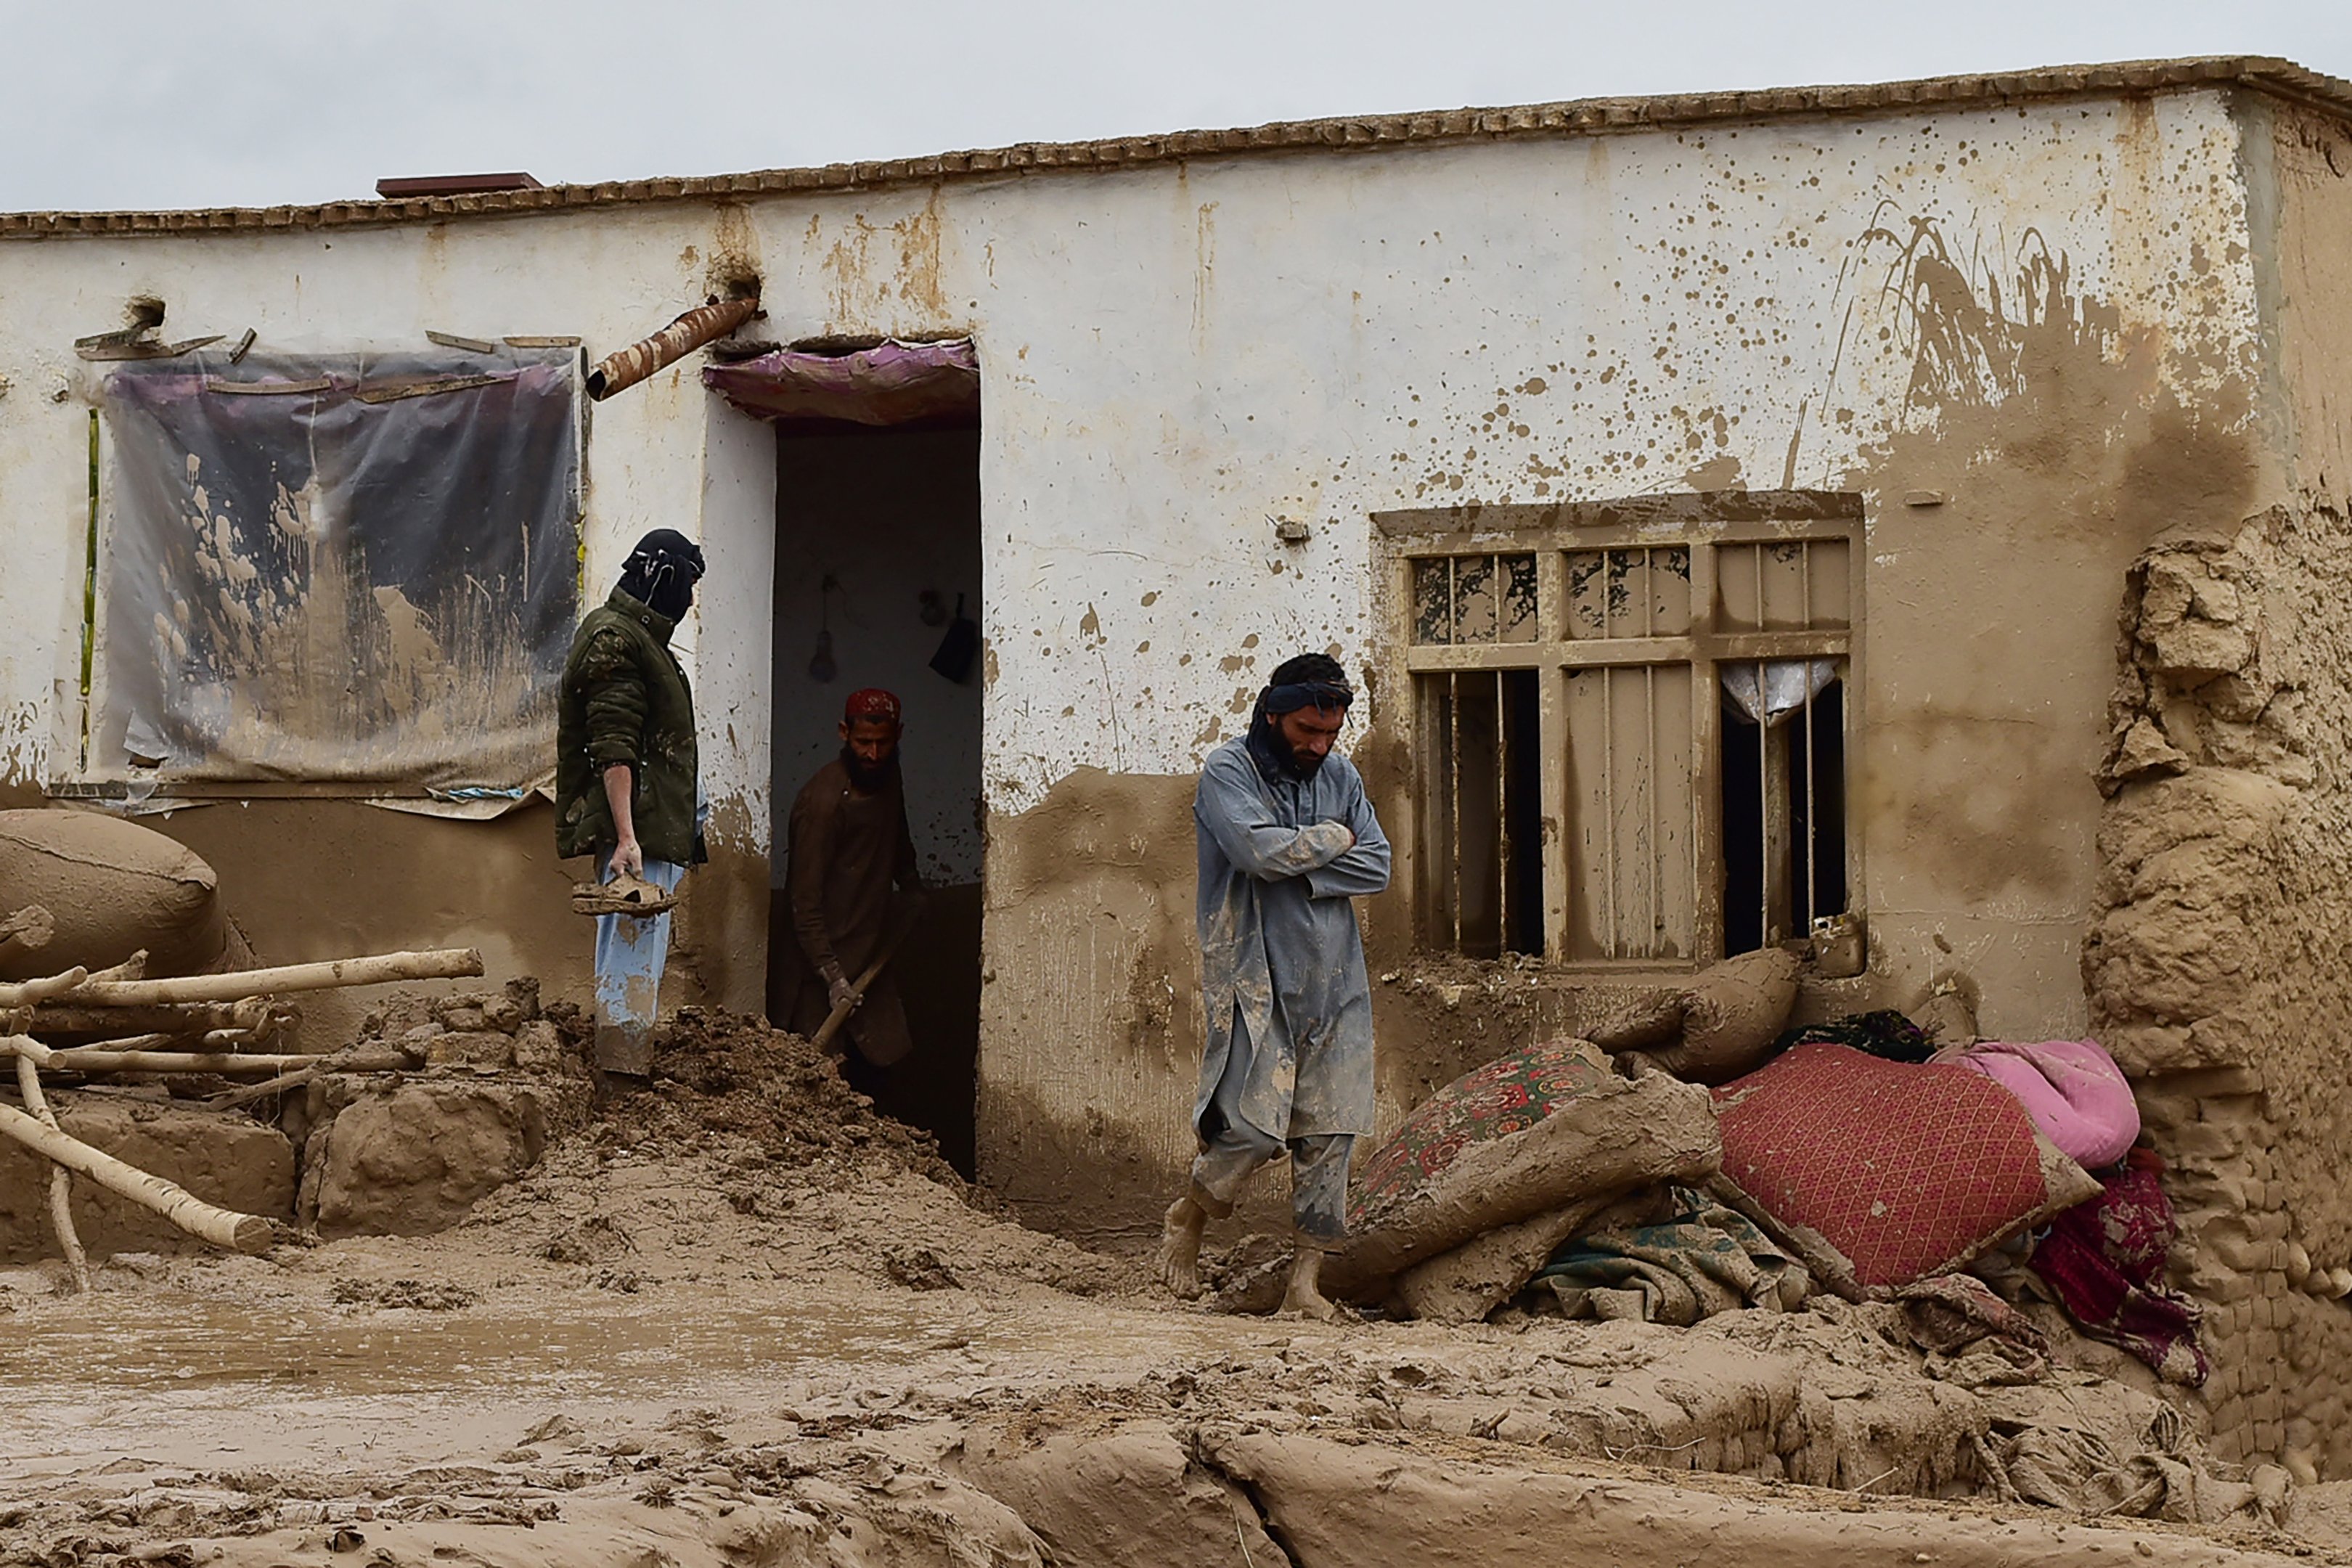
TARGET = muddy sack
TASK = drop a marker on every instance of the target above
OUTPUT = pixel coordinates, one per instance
(1731, 1013)
(1524, 1135)
(112, 888)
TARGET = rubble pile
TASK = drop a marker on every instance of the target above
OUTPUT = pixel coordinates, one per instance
(717, 1072)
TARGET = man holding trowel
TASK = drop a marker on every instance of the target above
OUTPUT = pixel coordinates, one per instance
(627, 788)
(854, 890)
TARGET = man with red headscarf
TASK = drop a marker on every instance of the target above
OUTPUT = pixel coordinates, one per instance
(852, 885)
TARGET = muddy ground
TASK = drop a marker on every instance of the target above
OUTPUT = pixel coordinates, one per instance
(739, 1319)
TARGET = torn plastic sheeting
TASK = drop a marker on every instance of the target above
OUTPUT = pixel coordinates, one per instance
(329, 586)
(1788, 685)
(478, 808)
(891, 384)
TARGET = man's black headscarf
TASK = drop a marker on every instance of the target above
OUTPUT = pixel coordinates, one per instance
(661, 572)
(1310, 680)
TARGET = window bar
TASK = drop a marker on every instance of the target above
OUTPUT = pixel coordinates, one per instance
(1503, 864)
(1609, 790)
(1812, 806)
(1650, 859)
(1765, 833)
(1453, 762)
(1704, 859)
(1763, 782)
(1654, 863)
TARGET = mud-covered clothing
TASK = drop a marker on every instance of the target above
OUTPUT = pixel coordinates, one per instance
(852, 871)
(1319, 1169)
(1287, 1003)
(625, 701)
(631, 953)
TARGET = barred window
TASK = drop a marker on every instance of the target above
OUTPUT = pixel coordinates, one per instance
(1631, 738)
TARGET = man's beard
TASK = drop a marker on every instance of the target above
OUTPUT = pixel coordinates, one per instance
(868, 775)
(1300, 765)
(1303, 765)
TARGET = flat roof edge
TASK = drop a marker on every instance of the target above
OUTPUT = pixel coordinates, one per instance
(2282, 78)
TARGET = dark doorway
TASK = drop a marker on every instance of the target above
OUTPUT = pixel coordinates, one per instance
(878, 546)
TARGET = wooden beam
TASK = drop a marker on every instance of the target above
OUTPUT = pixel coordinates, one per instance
(223, 1228)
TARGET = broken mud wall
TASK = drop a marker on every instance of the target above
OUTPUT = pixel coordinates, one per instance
(2218, 967)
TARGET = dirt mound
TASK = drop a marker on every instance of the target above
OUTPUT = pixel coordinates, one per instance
(719, 1072)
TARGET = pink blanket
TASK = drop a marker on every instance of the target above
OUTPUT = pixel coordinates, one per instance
(2072, 1088)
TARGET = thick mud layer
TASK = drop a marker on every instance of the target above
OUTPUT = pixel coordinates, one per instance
(737, 1319)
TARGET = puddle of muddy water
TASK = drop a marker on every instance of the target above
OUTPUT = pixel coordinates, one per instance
(571, 1346)
(194, 1343)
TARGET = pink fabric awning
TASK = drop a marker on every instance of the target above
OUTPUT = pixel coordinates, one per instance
(892, 383)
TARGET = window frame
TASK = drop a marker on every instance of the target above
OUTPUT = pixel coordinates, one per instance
(1703, 523)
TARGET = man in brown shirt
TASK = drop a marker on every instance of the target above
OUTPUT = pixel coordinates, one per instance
(852, 884)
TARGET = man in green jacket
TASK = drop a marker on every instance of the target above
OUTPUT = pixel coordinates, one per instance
(625, 779)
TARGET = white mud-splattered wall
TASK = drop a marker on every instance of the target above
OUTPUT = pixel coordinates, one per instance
(2024, 336)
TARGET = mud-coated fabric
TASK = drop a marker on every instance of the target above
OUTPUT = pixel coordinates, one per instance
(1236, 1150)
(625, 702)
(1282, 962)
(630, 953)
(852, 868)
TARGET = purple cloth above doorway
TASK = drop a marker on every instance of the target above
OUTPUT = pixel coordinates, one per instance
(890, 384)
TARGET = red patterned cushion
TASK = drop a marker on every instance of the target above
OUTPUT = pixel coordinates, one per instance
(1509, 1094)
(1878, 1174)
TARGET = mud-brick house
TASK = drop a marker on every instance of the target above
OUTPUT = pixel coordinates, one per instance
(1730, 500)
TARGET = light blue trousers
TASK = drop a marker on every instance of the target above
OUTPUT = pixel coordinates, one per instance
(630, 953)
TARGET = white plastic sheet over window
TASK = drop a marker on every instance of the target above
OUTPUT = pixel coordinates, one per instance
(348, 568)
(1787, 685)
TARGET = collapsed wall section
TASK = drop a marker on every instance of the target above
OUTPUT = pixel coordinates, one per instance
(2216, 964)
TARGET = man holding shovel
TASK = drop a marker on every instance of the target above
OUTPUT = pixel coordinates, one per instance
(627, 788)
(854, 890)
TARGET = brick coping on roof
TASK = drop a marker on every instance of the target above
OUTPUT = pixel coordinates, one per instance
(2280, 78)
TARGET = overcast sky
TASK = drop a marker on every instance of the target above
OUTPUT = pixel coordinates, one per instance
(128, 104)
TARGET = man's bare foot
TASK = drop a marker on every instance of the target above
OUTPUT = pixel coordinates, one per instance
(1179, 1247)
(1304, 1298)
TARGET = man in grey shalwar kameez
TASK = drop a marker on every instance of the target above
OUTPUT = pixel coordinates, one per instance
(1286, 840)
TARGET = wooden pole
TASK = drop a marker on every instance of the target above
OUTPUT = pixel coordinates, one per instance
(26, 992)
(28, 1084)
(246, 1094)
(114, 1023)
(95, 1058)
(840, 1016)
(446, 963)
(206, 1040)
(222, 1227)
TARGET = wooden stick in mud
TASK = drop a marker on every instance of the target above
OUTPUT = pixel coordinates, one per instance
(29, 992)
(95, 1058)
(187, 1018)
(222, 1227)
(246, 1094)
(28, 1084)
(221, 1040)
(381, 969)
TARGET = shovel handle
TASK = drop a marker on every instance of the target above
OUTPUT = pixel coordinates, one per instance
(840, 1016)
